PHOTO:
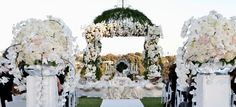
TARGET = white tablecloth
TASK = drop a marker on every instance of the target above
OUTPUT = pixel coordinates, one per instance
(42, 92)
(121, 103)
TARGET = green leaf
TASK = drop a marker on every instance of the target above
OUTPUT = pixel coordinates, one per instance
(122, 13)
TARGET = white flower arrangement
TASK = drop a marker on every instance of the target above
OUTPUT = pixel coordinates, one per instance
(154, 71)
(210, 48)
(152, 52)
(44, 40)
(42, 43)
(209, 38)
(122, 28)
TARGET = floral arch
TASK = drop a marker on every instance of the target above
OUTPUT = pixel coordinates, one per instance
(122, 22)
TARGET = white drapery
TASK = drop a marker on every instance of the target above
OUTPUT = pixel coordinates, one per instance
(42, 91)
(213, 91)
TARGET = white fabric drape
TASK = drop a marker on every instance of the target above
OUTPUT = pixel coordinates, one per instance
(42, 91)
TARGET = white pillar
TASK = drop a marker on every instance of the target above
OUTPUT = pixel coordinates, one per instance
(42, 91)
(213, 91)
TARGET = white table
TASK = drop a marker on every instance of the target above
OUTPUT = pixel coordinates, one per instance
(121, 103)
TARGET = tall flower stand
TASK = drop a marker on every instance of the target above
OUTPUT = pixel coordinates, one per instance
(42, 91)
(213, 91)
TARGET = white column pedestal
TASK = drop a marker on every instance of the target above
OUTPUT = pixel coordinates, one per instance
(42, 92)
(213, 91)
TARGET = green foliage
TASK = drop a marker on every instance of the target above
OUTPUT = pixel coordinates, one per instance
(232, 62)
(37, 62)
(98, 73)
(122, 13)
(146, 65)
(161, 65)
(50, 63)
(197, 62)
(82, 72)
(98, 70)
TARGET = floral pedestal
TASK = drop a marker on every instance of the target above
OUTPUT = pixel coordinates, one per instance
(213, 91)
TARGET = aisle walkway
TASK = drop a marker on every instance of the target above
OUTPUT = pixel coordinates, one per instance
(18, 101)
(91, 102)
(97, 102)
(121, 103)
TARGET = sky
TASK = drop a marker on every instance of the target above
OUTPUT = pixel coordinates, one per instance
(77, 14)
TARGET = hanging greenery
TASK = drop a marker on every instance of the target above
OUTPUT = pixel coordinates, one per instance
(123, 13)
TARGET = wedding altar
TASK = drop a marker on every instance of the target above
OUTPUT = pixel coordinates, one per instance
(122, 88)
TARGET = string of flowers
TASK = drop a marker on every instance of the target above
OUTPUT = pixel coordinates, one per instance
(152, 53)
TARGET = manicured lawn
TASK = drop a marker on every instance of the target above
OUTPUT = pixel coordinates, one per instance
(96, 102)
(89, 102)
(152, 102)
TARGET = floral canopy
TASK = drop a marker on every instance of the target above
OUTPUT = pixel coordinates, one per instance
(122, 22)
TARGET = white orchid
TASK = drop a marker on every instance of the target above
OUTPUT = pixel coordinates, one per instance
(4, 80)
(42, 38)
(209, 37)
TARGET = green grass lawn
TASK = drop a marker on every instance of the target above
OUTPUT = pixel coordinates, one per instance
(89, 102)
(152, 102)
(96, 102)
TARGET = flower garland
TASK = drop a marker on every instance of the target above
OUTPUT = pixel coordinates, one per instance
(42, 43)
(186, 81)
(152, 55)
(126, 27)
